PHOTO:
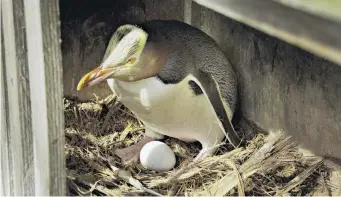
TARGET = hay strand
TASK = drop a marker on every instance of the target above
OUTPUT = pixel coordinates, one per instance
(267, 165)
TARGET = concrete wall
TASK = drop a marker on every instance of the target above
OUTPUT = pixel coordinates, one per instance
(280, 86)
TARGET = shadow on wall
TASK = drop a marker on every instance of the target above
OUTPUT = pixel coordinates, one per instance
(86, 28)
(281, 87)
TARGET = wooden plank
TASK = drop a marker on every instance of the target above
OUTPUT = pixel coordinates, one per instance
(18, 122)
(32, 125)
(188, 11)
(4, 167)
(325, 8)
(313, 33)
(45, 65)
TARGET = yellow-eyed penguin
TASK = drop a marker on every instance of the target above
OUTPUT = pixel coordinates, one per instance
(175, 79)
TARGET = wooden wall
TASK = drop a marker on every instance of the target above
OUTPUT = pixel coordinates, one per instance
(32, 124)
(282, 86)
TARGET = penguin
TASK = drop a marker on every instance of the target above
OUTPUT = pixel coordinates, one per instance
(175, 79)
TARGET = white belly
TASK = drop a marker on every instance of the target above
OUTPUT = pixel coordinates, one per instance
(172, 110)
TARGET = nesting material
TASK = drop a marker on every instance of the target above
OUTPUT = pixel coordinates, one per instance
(267, 165)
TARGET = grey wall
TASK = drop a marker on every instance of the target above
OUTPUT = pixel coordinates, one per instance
(280, 86)
(86, 29)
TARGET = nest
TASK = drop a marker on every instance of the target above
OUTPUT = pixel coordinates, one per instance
(267, 165)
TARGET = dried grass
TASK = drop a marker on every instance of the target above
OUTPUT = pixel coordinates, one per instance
(267, 165)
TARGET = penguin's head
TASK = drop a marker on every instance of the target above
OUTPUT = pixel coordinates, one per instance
(128, 58)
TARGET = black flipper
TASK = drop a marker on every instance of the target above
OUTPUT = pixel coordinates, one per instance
(211, 89)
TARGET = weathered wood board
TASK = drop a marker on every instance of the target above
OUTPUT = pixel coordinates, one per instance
(32, 138)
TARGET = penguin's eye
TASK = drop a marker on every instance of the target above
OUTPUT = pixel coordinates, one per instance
(131, 60)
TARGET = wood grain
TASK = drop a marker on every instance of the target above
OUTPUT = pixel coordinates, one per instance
(328, 9)
(281, 87)
(313, 33)
(32, 140)
(19, 131)
(44, 62)
(4, 166)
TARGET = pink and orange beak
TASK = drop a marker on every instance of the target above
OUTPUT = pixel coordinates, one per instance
(95, 76)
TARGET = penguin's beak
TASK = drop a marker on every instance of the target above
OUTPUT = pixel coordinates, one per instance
(96, 76)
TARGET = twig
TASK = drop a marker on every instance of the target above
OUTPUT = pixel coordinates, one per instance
(127, 113)
(185, 167)
(123, 175)
(108, 116)
(173, 190)
(128, 130)
(180, 171)
(255, 163)
(127, 177)
(241, 191)
(334, 183)
(91, 184)
(75, 187)
(300, 178)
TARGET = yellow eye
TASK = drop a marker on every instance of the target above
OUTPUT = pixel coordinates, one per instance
(131, 60)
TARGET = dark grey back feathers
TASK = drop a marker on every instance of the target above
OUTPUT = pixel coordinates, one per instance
(190, 51)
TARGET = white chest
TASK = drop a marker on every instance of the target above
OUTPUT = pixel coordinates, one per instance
(173, 110)
(144, 95)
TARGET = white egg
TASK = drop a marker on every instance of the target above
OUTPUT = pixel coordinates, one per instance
(156, 155)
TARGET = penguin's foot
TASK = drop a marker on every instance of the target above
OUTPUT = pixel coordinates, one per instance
(131, 154)
(205, 152)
